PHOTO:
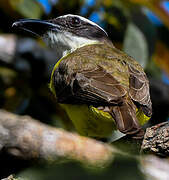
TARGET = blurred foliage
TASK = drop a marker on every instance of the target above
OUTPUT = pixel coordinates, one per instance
(23, 8)
(25, 70)
(14, 96)
(161, 56)
(74, 171)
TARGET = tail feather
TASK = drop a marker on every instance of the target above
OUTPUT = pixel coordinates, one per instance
(126, 120)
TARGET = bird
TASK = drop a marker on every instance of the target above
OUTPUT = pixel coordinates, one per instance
(102, 89)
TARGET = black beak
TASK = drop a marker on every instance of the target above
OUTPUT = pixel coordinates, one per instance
(35, 26)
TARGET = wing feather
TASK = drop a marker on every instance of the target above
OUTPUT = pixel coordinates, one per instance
(101, 86)
(139, 90)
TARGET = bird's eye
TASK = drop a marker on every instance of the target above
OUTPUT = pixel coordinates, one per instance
(75, 21)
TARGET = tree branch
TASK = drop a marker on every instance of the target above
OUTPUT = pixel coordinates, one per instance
(27, 138)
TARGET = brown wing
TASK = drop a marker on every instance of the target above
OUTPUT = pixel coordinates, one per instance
(97, 87)
(104, 89)
(139, 90)
(93, 87)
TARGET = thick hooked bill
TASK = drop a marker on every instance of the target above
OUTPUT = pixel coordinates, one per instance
(35, 26)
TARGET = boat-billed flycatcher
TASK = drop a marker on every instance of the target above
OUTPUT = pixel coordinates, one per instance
(100, 87)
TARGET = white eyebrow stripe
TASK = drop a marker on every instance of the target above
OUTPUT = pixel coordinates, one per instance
(84, 19)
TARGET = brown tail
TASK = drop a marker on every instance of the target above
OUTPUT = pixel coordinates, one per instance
(126, 120)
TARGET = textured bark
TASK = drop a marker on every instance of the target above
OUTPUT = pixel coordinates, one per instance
(156, 139)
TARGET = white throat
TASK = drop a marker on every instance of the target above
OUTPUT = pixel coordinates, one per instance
(66, 42)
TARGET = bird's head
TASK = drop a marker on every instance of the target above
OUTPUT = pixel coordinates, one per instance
(65, 33)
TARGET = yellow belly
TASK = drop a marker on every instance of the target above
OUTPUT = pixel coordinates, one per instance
(90, 121)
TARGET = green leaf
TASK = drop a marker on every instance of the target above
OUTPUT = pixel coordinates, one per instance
(27, 8)
(135, 44)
